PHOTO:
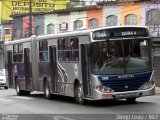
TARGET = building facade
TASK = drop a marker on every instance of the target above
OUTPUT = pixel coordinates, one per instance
(106, 14)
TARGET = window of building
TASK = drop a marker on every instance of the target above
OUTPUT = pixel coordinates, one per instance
(50, 28)
(17, 33)
(78, 24)
(111, 20)
(43, 50)
(7, 31)
(93, 23)
(27, 32)
(37, 30)
(63, 26)
(153, 17)
(131, 19)
(18, 53)
(68, 50)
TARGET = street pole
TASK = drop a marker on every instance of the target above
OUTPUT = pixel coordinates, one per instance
(30, 17)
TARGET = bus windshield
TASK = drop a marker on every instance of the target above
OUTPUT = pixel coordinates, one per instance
(121, 56)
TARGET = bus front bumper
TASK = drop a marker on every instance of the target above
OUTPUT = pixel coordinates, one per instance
(123, 95)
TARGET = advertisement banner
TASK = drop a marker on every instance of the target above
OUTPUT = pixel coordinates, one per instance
(9, 7)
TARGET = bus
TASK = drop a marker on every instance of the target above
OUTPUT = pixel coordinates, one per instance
(96, 64)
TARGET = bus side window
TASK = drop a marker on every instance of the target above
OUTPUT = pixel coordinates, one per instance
(68, 50)
(67, 57)
(75, 49)
(74, 43)
(43, 50)
(60, 49)
(60, 55)
(75, 56)
(18, 53)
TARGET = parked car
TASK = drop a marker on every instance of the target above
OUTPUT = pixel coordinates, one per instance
(3, 79)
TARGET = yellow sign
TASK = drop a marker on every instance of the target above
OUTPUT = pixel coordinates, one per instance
(8, 37)
(9, 7)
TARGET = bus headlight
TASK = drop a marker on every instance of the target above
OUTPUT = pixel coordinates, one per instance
(103, 88)
(147, 85)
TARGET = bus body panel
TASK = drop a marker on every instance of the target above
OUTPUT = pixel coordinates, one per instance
(62, 74)
(19, 68)
(123, 95)
(122, 87)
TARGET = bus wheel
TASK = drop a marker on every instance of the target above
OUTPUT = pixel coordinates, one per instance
(131, 100)
(27, 93)
(79, 94)
(18, 91)
(47, 91)
(5, 87)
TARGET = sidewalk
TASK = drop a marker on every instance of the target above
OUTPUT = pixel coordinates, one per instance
(157, 90)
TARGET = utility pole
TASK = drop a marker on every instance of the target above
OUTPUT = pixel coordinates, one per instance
(30, 17)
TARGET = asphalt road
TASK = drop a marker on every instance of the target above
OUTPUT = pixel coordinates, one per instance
(36, 107)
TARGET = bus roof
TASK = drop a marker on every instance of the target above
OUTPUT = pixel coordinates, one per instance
(64, 34)
(70, 33)
(125, 26)
(17, 41)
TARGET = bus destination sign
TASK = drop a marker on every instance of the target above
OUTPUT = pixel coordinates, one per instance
(119, 32)
(101, 34)
(129, 33)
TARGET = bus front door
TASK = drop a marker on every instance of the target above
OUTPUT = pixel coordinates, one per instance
(27, 69)
(9, 66)
(53, 68)
(85, 62)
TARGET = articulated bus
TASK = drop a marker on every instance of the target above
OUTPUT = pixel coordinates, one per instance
(96, 64)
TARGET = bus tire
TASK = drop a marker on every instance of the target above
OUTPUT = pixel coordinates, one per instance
(131, 100)
(47, 91)
(5, 87)
(18, 91)
(27, 93)
(79, 94)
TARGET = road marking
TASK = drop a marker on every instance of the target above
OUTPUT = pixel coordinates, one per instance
(5, 100)
(24, 98)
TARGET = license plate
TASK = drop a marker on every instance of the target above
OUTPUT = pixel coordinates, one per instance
(126, 95)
